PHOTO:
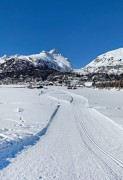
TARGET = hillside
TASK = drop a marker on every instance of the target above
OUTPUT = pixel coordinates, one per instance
(33, 66)
(110, 63)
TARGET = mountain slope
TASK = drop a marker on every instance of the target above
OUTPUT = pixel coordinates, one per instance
(52, 59)
(22, 68)
(109, 63)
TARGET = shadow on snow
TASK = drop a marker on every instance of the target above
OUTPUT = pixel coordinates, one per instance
(10, 149)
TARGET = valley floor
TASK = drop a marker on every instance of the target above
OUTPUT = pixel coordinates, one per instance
(56, 133)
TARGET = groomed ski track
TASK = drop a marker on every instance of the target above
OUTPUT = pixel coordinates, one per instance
(79, 144)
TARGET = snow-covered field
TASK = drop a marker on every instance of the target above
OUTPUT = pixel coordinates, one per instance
(56, 133)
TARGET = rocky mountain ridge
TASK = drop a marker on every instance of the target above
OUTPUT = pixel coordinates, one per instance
(33, 66)
(110, 63)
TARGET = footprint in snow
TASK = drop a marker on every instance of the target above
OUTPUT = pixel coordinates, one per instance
(117, 108)
(19, 109)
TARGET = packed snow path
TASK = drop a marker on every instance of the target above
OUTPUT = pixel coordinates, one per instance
(80, 143)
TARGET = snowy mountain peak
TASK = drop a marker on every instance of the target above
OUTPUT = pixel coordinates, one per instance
(44, 60)
(111, 58)
(108, 63)
(5, 57)
(117, 54)
(54, 51)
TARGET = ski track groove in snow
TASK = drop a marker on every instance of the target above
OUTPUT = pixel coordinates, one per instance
(68, 151)
(83, 128)
(116, 160)
(104, 165)
(109, 155)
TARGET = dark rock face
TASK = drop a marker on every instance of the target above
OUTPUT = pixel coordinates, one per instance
(26, 68)
(23, 70)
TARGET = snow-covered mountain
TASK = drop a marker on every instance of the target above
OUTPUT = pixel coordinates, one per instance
(44, 60)
(109, 63)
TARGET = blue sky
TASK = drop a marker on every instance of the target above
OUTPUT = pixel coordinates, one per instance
(79, 29)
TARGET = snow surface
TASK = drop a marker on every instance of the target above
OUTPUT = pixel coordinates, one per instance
(57, 133)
